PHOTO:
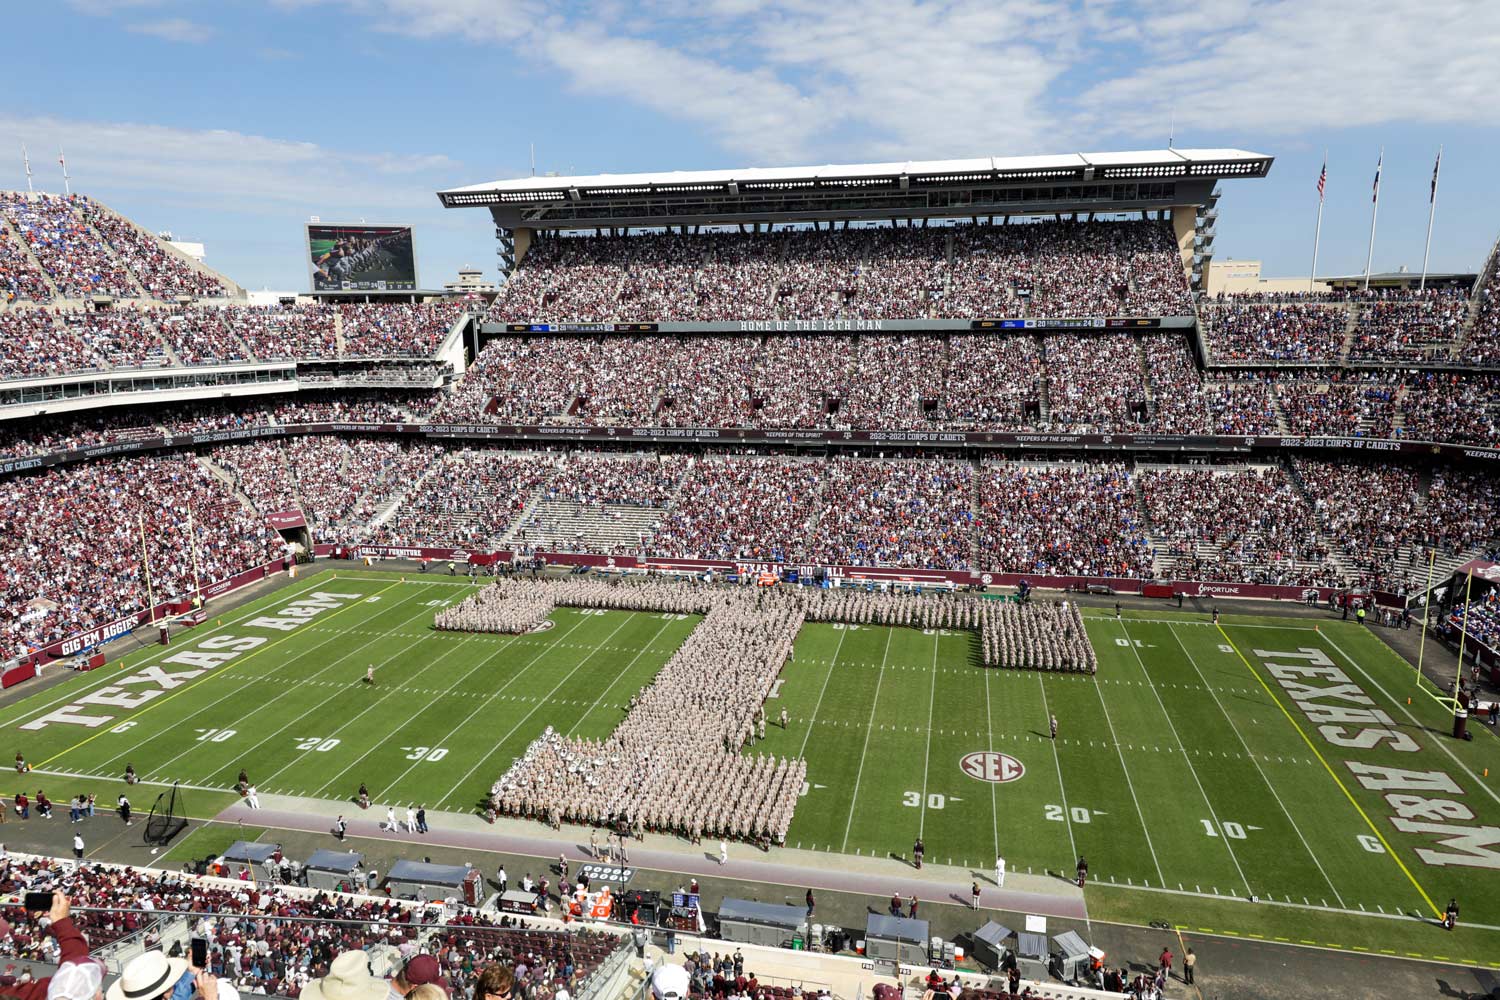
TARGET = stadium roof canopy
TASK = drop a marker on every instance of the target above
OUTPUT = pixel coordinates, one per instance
(932, 189)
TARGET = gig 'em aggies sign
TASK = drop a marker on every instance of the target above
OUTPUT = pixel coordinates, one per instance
(141, 687)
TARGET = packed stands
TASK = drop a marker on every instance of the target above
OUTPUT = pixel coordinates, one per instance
(1371, 512)
(1463, 510)
(1242, 331)
(396, 330)
(1250, 525)
(339, 484)
(79, 261)
(469, 499)
(158, 272)
(1186, 401)
(991, 383)
(909, 513)
(1060, 520)
(1409, 326)
(72, 537)
(741, 507)
(1443, 406)
(1344, 403)
(1483, 344)
(1039, 269)
(1094, 382)
(20, 279)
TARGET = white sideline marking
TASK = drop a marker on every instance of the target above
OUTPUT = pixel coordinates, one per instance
(252, 608)
(802, 754)
(1191, 769)
(874, 705)
(1235, 729)
(927, 753)
(498, 743)
(252, 679)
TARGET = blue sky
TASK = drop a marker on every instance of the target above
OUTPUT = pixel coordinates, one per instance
(230, 122)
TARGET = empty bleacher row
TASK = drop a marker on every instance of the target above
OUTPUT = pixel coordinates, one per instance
(1129, 268)
(42, 342)
(73, 534)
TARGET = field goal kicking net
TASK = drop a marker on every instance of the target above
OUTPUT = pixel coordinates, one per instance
(168, 818)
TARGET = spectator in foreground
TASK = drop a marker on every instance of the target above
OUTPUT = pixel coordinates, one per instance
(78, 977)
(154, 976)
(349, 978)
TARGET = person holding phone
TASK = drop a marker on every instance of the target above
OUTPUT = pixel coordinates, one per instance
(155, 976)
(78, 976)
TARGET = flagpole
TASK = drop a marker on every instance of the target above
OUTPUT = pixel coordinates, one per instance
(1431, 211)
(1318, 232)
(1374, 214)
(26, 158)
(61, 158)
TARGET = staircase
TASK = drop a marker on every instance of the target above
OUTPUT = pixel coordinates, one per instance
(1346, 563)
(223, 476)
(509, 539)
(1148, 530)
(15, 235)
(1349, 327)
(1477, 297)
(384, 512)
(140, 290)
(339, 346)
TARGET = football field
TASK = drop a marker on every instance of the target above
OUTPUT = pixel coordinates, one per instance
(1269, 759)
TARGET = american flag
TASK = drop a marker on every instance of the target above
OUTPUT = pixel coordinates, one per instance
(1322, 180)
(1378, 163)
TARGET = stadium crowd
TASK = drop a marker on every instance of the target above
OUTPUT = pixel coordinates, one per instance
(73, 537)
(1235, 330)
(870, 272)
(1407, 326)
(1250, 525)
(1074, 519)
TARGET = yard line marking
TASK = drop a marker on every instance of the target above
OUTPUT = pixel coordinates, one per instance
(1395, 701)
(157, 703)
(874, 705)
(1061, 786)
(1249, 889)
(391, 785)
(322, 706)
(1334, 775)
(990, 726)
(629, 616)
(927, 754)
(802, 753)
(608, 687)
(272, 676)
(1235, 729)
(372, 747)
(1129, 783)
(107, 677)
(143, 781)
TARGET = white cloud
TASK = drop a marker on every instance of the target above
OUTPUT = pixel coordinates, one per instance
(254, 173)
(174, 29)
(102, 7)
(774, 80)
(1289, 67)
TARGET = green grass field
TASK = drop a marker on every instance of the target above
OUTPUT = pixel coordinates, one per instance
(1190, 776)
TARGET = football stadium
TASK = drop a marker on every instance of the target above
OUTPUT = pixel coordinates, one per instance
(861, 581)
